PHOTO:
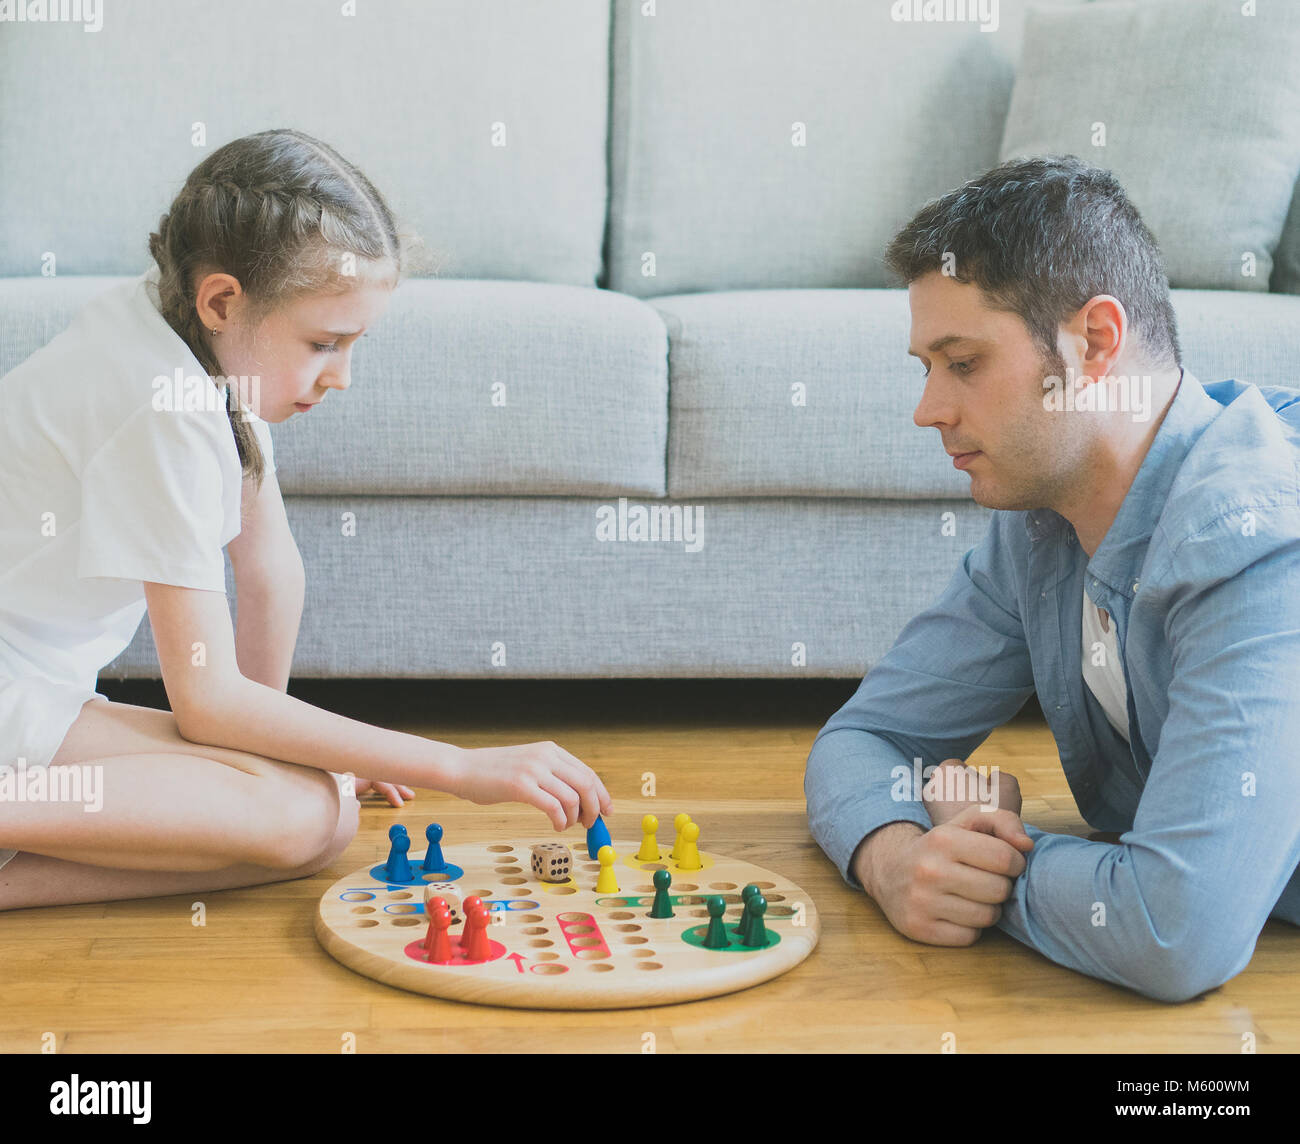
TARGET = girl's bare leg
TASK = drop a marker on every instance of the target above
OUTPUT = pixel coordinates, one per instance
(176, 816)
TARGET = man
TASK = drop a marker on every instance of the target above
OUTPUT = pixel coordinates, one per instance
(1141, 574)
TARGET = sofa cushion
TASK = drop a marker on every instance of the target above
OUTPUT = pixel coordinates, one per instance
(583, 375)
(706, 171)
(409, 90)
(741, 363)
(1203, 131)
(462, 387)
(798, 392)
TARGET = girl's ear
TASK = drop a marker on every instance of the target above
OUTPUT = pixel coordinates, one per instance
(217, 299)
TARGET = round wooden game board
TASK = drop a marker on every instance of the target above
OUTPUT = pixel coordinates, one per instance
(563, 946)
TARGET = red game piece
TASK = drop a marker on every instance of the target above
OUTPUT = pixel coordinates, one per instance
(469, 907)
(430, 908)
(481, 944)
(474, 942)
(437, 945)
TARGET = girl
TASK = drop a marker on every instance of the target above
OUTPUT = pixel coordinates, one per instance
(130, 448)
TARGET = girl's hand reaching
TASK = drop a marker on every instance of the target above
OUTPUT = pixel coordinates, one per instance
(543, 775)
(394, 792)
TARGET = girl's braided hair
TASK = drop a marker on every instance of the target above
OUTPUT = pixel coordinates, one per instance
(277, 210)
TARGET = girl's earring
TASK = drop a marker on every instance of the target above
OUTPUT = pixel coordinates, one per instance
(215, 331)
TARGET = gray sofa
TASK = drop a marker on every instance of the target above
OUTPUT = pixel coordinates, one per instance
(660, 304)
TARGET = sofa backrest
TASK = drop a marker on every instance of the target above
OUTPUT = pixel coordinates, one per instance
(766, 144)
(744, 143)
(483, 123)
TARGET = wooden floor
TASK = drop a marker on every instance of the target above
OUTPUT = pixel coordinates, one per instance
(137, 976)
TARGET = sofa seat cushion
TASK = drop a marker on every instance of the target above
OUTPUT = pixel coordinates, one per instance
(801, 393)
(811, 392)
(461, 388)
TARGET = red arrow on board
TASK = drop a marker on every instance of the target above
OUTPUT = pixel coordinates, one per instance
(518, 959)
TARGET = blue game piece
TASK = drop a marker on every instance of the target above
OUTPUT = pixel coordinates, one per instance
(394, 830)
(433, 859)
(597, 836)
(398, 868)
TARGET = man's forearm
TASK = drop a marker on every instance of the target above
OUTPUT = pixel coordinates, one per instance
(856, 782)
(267, 617)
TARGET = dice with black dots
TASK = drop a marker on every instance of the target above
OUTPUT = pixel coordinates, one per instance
(449, 893)
(552, 862)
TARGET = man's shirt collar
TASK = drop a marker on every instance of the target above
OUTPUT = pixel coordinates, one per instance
(1122, 550)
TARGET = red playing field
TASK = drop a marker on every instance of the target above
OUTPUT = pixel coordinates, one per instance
(562, 945)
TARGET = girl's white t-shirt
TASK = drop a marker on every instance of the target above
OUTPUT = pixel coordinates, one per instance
(108, 481)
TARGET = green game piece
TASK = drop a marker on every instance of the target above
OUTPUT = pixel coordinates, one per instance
(716, 938)
(663, 904)
(757, 935)
(746, 894)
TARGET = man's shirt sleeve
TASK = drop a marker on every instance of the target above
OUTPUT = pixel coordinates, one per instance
(1176, 907)
(956, 671)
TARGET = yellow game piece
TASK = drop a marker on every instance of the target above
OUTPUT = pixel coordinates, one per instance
(649, 851)
(690, 851)
(605, 881)
(678, 822)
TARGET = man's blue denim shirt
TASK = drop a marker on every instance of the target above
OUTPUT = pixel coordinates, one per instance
(1200, 572)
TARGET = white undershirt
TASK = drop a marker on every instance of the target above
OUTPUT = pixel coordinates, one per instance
(1105, 682)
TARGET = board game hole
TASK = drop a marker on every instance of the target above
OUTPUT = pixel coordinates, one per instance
(699, 913)
(690, 900)
(530, 918)
(508, 870)
(540, 943)
(404, 909)
(648, 965)
(628, 929)
(574, 917)
(593, 867)
(685, 886)
(500, 849)
(733, 898)
(776, 897)
(723, 886)
(580, 929)
(643, 953)
(363, 909)
(766, 885)
(622, 915)
(583, 941)
(365, 923)
(484, 894)
(654, 866)
(644, 888)
(408, 921)
(513, 881)
(546, 956)
(592, 954)
(635, 940)
(522, 892)
(357, 896)
(549, 969)
(565, 890)
(399, 894)
(601, 966)
(534, 930)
